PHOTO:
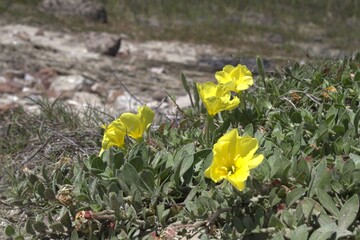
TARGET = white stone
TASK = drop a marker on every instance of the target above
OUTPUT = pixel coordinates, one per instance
(67, 83)
(87, 99)
(183, 101)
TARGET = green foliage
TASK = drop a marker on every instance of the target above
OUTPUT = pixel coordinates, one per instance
(307, 187)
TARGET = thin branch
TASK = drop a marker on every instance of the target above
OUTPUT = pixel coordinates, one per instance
(35, 153)
(215, 215)
(69, 140)
(292, 104)
(128, 91)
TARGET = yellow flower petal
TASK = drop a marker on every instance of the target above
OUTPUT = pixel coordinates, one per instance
(237, 184)
(235, 78)
(114, 135)
(216, 98)
(216, 173)
(246, 146)
(255, 161)
(146, 116)
(136, 124)
(132, 124)
(238, 178)
(233, 159)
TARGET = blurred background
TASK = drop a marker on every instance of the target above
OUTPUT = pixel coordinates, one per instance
(88, 50)
(269, 28)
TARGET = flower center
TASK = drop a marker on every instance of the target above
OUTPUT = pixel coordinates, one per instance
(229, 171)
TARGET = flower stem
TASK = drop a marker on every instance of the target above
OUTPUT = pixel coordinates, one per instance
(209, 130)
(242, 98)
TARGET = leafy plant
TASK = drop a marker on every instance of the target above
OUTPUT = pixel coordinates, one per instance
(305, 120)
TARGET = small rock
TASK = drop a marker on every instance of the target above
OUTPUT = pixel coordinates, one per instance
(10, 87)
(67, 83)
(4, 108)
(159, 95)
(29, 78)
(40, 32)
(125, 102)
(8, 102)
(113, 95)
(103, 43)
(86, 98)
(3, 79)
(45, 74)
(24, 36)
(64, 95)
(183, 101)
(89, 9)
(11, 74)
(99, 89)
(157, 70)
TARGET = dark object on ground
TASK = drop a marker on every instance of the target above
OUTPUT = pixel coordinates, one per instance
(89, 9)
(103, 43)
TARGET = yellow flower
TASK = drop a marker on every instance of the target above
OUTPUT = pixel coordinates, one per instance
(136, 124)
(234, 156)
(114, 135)
(331, 89)
(216, 98)
(328, 90)
(235, 78)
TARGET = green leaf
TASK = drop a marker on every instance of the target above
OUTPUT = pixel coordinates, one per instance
(297, 140)
(275, 222)
(348, 212)
(98, 164)
(248, 222)
(296, 117)
(321, 177)
(137, 162)
(287, 218)
(40, 188)
(49, 194)
(273, 197)
(9, 230)
(130, 175)
(324, 219)
(65, 218)
(183, 160)
(341, 233)
(137, 200)
(118, 160)
(294, 195)
(323, 233)
(148, 180)
(278, 236)
(249, 130)
(327, 202)
(40, 227)
(300, 233)
(356, 159)
(57, 227)
(29, 226)
(74, 235)
(310, 207)
(186, 163)
(261, 69)
(196, 96)
(186, 86)
(259, 217)
(302, 171)
(356, 122)
(114, 201)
